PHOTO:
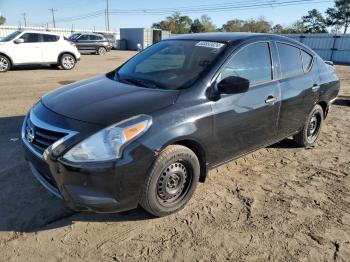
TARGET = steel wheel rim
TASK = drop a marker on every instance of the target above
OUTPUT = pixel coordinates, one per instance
(3, 64)
(101, 51)
(174, 183)
(68, 62)
(314, 126)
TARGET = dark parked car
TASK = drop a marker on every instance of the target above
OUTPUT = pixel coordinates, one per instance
(91, 43)
(149, 131)
(111, 39)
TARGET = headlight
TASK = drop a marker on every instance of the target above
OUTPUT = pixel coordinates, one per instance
(108, 143)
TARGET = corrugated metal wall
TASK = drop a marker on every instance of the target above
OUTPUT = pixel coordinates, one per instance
(5, 30)
(330, 47)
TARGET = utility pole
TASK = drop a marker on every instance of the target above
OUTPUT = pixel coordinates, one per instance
(24, 18)
(53, 16)
(107, 15)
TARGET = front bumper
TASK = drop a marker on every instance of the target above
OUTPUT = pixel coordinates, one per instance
(111, 186)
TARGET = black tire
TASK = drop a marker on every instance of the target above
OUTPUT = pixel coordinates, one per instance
(5, 64)
(312, 128)
(67, 61)
(171, 182)
(101, 50)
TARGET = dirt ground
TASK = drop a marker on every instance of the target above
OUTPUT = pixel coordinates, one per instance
(281, 203)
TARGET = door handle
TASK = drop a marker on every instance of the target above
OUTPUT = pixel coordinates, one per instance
(315, 88)
(271, 100)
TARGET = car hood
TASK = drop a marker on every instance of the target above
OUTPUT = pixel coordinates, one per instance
(100, 100)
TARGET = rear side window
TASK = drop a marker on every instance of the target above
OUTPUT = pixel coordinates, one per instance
(307, 60)
(50, 38)
(94, 37)
(253, 62)
(31, 38)
(290, 59)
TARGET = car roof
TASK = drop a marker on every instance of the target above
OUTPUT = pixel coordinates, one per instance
(40, 32)
(237, 37)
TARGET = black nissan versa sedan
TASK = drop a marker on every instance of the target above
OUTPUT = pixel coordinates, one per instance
(146, 133)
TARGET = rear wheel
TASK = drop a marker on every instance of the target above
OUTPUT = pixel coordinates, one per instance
(5, 64)
(67, 61)
(101, 50)
(312, 128)
(171, 182)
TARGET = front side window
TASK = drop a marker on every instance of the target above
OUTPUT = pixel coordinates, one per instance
(171, 64)
(31, 38)
(50, 38)
(84, 38)
(253, 62)
(290, 59)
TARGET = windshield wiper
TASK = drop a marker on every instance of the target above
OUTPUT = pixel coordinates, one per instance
(139, 82)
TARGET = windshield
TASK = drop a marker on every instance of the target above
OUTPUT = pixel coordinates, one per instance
(11, 36)
(74, 36)
(171, 64)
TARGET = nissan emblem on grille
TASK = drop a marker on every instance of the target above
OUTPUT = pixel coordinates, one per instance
(30, 134)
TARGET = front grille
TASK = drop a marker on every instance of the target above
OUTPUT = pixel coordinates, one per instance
(40, 138)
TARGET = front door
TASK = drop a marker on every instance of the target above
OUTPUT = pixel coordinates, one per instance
(84, 43)
(247, 120)
(30, 51)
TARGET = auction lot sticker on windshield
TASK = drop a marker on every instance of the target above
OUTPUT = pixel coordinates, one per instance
(215, 45)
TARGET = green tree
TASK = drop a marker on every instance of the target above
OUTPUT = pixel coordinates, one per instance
(197, 26)
(278, 29)
(207, 23)
(257, 26)
(2, 20)
(314, 22)
(296, 28)
(234, 25)
(339, 16)
(176, 23)
(204, 24)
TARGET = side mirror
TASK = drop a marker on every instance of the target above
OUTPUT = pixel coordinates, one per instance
(233, 85)
(19, 41)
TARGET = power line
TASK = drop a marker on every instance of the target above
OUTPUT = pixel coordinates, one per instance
(209, 8)
(53, 16)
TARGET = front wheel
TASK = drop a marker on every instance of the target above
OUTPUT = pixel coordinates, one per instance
(5, 64)
(67, 61)
(171, 182)
(312, 128)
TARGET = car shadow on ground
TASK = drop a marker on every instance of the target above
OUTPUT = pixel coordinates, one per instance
(285, 143)
(34, 67)
(342, 101)
(25, 206)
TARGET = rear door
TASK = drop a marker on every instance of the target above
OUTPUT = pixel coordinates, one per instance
(29, 51)
(299, 84)
(247, 120)
(51, 47)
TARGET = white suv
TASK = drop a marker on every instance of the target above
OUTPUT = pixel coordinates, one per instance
(35, 47)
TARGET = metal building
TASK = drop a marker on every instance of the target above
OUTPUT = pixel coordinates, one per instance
(330, 47)
(143, 36)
